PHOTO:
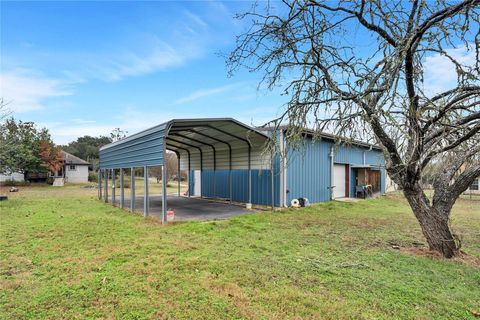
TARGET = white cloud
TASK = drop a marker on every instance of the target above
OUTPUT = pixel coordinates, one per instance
(202, 93)
(156, 57)
(129, 120)
(64, 133)
(83, 121)
(26, 91)
(195, 18)
(440, 74)
(132, 120)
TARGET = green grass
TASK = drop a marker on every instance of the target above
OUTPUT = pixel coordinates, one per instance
(65, 255)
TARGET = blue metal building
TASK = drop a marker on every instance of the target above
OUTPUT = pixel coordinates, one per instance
(323, 170)
(226, 159)
(320, 170)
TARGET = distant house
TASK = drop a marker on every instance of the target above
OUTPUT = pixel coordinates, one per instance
(74, 170)
(16, 176)
(390, 185)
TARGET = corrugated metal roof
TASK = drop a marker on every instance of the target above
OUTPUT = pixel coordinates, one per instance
(187, 122)
(208, 143)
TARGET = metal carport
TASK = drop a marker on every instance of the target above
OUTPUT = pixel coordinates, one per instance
(200, 144)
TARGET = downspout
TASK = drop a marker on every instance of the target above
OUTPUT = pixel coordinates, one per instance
(331, 172)
(283, 170)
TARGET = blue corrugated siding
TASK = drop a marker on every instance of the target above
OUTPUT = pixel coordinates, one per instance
(191, 182)
(308, 172)
(349, 154)
(261, 185)
(215, 184)
(146, 150)
(309, 169)
(308, 175)
(374, 157)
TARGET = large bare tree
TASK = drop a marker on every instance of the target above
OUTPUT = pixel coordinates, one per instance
(358, 68)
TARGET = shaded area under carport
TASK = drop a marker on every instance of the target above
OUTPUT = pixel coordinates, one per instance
(200, 145)
(188, 208)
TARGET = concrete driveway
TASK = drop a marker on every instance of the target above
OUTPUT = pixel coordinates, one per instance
(189, 208)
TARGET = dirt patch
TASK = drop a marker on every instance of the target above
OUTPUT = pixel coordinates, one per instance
(426, 252)
(232, 292)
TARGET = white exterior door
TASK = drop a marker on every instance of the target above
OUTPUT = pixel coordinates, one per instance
(339, 181)
(197, 183)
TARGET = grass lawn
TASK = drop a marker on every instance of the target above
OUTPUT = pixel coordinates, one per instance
(65, 255)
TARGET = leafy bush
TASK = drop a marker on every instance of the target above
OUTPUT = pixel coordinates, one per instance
(13, 183)
(92, 176)
(50, 180)
(126, 184)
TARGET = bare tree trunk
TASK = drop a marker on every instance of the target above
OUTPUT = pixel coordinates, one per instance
(434, 223)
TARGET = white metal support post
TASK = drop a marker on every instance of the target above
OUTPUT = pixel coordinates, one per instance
(179, 177)
(249, 204)
(273, 182)
(99, 178)
(164, 194)
(105, 173)
(113, 186)
(122, 191)
(132, 189)
(145, 196)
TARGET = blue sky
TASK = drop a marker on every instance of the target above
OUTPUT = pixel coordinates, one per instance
(84, 68)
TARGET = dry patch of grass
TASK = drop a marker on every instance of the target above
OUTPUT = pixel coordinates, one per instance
(427, 253)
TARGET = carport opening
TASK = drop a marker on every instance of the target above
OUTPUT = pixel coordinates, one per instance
(200, 158)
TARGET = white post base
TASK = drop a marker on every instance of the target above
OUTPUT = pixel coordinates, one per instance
(249, 206)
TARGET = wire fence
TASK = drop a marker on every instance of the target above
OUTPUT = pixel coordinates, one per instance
(467, 195)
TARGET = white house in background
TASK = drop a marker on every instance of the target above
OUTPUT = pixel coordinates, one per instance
(390, 186)
(16, 176)
(75, 170)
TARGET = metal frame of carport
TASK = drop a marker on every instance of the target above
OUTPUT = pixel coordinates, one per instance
(175, 139)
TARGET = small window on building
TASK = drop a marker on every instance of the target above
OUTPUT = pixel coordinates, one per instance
(73, 167)
(474, 185)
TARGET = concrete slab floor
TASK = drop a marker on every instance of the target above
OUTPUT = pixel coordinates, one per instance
(187, 208)
(348, 199)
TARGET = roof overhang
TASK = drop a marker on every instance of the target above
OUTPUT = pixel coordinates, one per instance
(208, 143)
(365, 166)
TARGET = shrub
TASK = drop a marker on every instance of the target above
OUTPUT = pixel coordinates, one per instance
(50, 180)
(92, 177)
(126, 184)
(13, 183)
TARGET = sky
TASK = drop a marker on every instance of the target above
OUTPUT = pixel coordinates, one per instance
(85, 68)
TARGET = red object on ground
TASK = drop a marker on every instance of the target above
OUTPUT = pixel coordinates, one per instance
(170, 216)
